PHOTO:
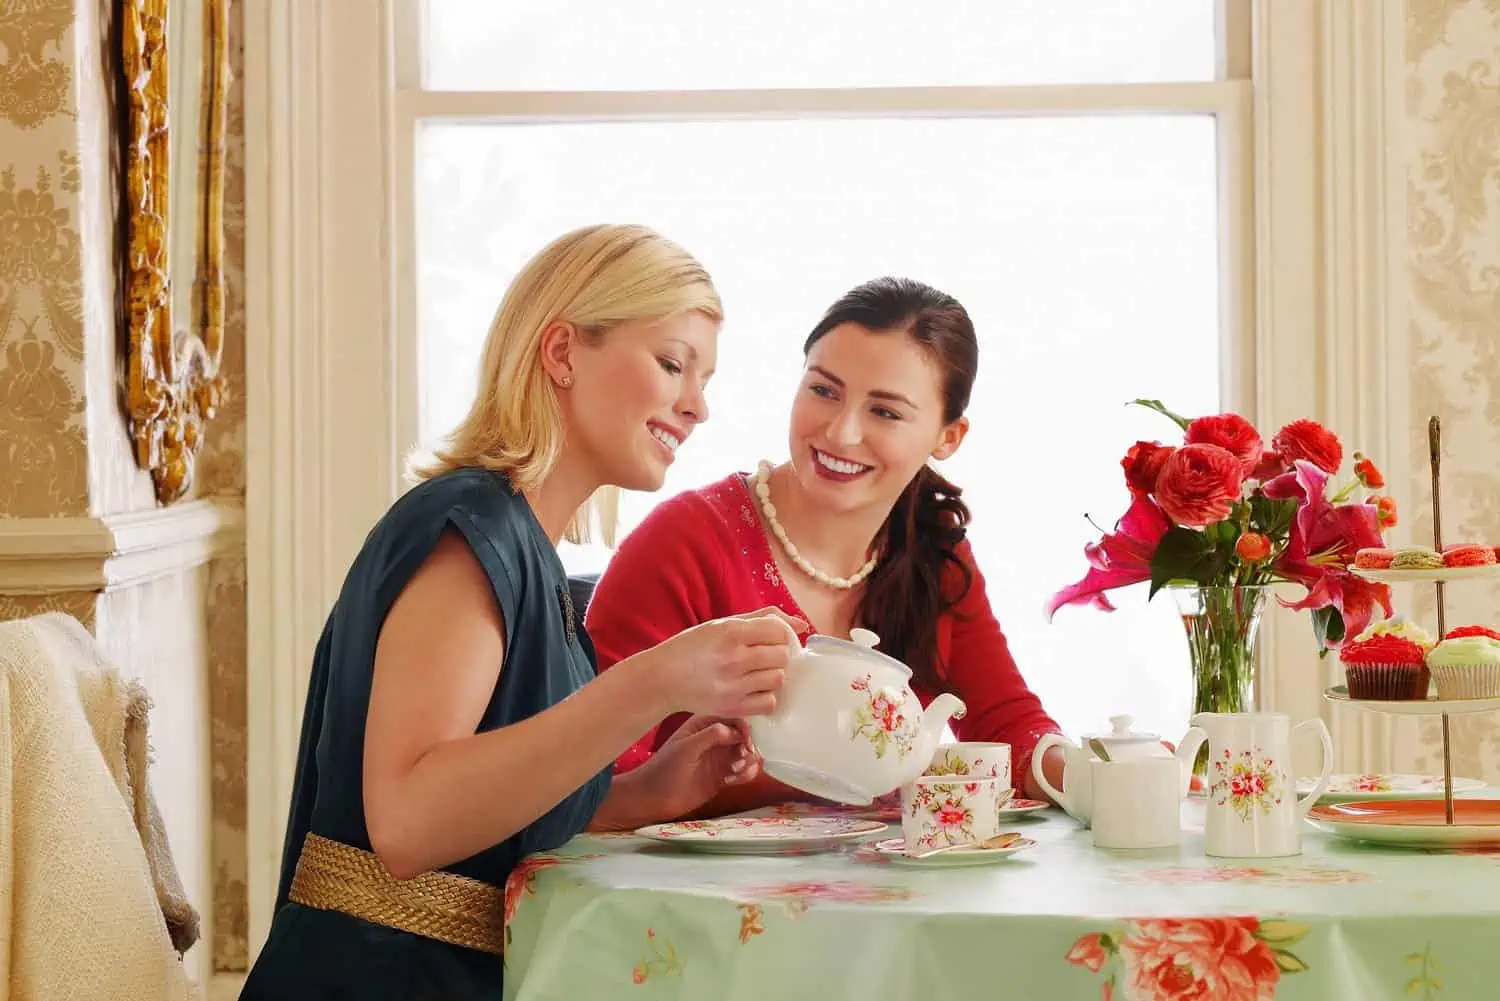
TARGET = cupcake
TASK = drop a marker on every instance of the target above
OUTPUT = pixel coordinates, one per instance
(1374, 559)
(1416, 558)
(1402, 628)
(1467, 667)
(1468, 554)
(1387, 662)
(1462, 631)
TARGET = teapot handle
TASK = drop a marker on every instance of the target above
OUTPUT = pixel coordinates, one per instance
(1056, 795)
(1306, 803)
(792, 639)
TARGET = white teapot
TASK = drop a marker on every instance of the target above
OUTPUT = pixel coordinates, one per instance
(1121, 744)
(847, 727)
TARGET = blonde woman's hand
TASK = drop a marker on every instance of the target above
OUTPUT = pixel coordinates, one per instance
(730, 667)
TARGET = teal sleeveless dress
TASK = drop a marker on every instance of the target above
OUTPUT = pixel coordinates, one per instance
(324, 955)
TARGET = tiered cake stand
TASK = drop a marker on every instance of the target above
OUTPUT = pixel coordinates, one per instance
(1421, 823)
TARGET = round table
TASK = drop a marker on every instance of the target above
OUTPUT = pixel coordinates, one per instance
(617, 916)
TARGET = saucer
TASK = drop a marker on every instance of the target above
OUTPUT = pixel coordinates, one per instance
(761, 835)
(1372, 786)
(1020, 808)
(894, 850)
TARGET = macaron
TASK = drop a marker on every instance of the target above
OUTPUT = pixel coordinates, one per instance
(1416, 558)
(1468, 554)
(1374, 559)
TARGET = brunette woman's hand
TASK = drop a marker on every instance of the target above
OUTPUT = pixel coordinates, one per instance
(730, 667)
(703, 757)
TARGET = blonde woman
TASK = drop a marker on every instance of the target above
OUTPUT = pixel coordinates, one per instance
(454, 723)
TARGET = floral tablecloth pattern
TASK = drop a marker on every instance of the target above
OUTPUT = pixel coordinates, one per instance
(617, 916)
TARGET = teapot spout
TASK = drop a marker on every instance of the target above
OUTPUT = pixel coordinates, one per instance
(943, 708)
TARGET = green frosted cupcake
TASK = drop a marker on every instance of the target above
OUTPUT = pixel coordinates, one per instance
(1466, 667)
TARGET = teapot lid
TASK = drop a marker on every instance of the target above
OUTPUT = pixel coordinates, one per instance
(1120, 733)
(860, 646)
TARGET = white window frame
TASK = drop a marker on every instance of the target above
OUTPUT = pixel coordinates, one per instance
(1315, 316)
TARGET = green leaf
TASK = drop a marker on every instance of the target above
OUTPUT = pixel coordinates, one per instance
(1228, 532)
(1161, 408)
(1273, 518)
(1277, 932)
(1108, 944)
(1289, 963)
(1328, 626)
(1178, 557)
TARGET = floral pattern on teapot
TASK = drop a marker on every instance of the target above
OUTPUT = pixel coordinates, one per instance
(882, 721)
(1250, 782)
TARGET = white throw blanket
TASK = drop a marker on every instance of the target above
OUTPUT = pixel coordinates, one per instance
(86, 880)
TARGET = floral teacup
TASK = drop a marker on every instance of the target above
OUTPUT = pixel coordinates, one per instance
(939, 811)
(969, 758)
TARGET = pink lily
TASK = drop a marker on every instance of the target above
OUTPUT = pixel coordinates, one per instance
(1322, 543)
(1119, 559)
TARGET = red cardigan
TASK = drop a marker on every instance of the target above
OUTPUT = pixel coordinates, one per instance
(703, 555)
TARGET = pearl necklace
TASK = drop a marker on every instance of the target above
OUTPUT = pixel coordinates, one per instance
(763, 493)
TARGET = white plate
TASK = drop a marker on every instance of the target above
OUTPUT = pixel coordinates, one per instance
(1349, 788)
(761, 835)
(1413, 823)
(1339, 695)
(1021, 807)
(894, 849)
(1487, 572)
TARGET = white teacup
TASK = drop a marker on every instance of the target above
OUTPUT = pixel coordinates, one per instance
(939, 811)
(972, 759)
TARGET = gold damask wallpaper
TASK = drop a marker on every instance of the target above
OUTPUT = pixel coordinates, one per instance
(42, 447)
(64, 448)
(222, 470)
(1453, 266)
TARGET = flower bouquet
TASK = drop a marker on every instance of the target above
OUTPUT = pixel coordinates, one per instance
(1220, 518)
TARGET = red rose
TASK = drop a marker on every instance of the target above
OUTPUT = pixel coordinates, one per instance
(1199, 484)
(1232, 433)
(1253, 547)
(1142, 465)
(1271, 465)
(1202, 959)
(1310, 441)
(1369, 474)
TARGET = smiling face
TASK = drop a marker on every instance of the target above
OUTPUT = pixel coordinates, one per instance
(637, 394)
(868, 414)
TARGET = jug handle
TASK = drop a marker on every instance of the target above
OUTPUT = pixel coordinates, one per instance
(1049, 740)
(1187, 753)
(1305, 803)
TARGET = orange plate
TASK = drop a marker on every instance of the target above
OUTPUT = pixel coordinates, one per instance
(1411, 812)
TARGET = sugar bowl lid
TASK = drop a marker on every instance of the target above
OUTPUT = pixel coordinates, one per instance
(1120, 735)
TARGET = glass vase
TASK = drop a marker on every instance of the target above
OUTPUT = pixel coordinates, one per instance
(1222, 624)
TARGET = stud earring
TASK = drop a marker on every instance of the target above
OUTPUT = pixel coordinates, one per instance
(566, 381)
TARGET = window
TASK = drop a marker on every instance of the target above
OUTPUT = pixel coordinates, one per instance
(1071, 171)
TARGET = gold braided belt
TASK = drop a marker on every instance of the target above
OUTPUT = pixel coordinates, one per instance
(445, 906)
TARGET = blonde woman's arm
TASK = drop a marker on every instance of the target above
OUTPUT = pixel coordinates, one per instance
(435, 792)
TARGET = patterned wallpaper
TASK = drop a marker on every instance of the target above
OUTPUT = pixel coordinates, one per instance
(63, 440)
(222, 470)
(1453, 179)
(42, 447)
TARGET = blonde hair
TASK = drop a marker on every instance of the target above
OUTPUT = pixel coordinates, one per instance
(595, 278)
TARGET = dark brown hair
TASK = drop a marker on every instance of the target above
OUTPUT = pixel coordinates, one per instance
(911, 587)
